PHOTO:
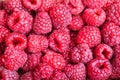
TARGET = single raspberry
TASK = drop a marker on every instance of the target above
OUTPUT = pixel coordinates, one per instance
(75, 6)
(3, 33)
(76, 72)
(54, 59)
(94, 17)
(20, 21)
(31, 4)
(59, 40)
(16, 40)
(42, 23)
(32, 61)
(3, 17)
(113, 13)
(108, 3)
(99, 69)
(90, 35)
(111, 34)
(42, 71)
(76, 23)
(58, 75)
(103, 51)
(27, 76)
(37, 43)
(14, 58)
(81, 53)
(60, 15)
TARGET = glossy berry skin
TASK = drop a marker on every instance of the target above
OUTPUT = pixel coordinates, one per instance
(111, 33)
(20, 21)
(99, 69)
(42, 23)
(94, 17)
(27, 76)
(90, 35)
(37, 43)
(60, 15)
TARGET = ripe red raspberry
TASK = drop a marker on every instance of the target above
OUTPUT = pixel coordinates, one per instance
(90, 35)
(3, 33)
(3, 17)
(81, 53)
(20, 21)
(103, 51)
(32, 4)
(59, 40)
(32, 61)
(14, 58)
(108, 3)
(76, 72)
(42, 23)
(37, 43)
(75, 6)
(42, 71)
(99, 69)
(16, 40)
(60, 15)
(113, 13)
(116, 49)
(27, 76)
(111, 34)
(76, 23)
(94, 17)
(54, 59)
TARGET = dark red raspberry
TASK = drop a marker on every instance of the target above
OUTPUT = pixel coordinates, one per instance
(54, 59)
(37, 43)
(27, 76)
(77, 23)
(99, 69)
(42, 71)
(103, 51)
(20, 21)
(3, 17)
(60, 15)
(90, 35)
(42, 23)
(111, 33)
(76, 72)
(75, 6)
(14, 58)
(32, 4)
(81, 53)
(3, 33)
(32, 61)
(94, 17)
(16, 40)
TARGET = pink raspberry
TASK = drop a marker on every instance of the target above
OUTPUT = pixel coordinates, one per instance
(3, 17)
(27, 76)
(116, 49)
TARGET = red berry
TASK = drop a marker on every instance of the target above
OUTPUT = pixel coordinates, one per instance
(37, 43)
(27, 76)
(42, 23)
(108, 3)
(99, 69)
(116, 49)
(90, 35)
(60, 15)
(3, 17)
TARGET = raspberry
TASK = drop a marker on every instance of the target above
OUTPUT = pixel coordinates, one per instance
(108, 3)
(60, 15)
(59, 40)
(75, 6)
(99, 69)
(20, 21)
(103, 51)
(90, 35)
(111, 34)
(76, 72)
(94, 17)
(54, 59)
(3, 33)
(81, 53)
(37, 43)
(42, 71)
(16, 40)
(113, 13)
(3, 17)
(27, 76)
(32, 4)
(116, 49)
(42, 23)
(76, 23)
(32, 61)
(14, 58)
